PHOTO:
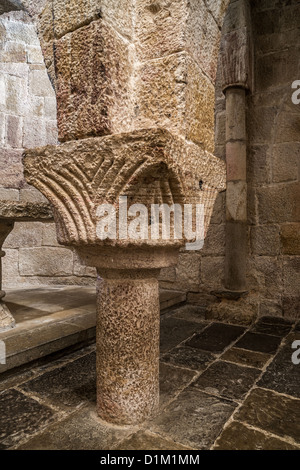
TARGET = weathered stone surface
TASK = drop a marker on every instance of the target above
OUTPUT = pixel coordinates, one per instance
(259, 342)
(237, 436)
(290, 239)
(265, 240)
(181, 165)
(269, 328)
(25, 234)
(272, 412)
(194, 418)
(285, 162)
(7, 321)
(163, 29)
(148, 441)
(45, 261)
(191, 313)
(276, 206)
(89, 63)
(174, 330)
(171, 381)
(80, 431)
(69, 385)
(25, 211)
(246, 357)
(241, 312)
(291, 275)
(216, 337)
(227, 380)
(174, 93)
(188, 357)
(282, 375)
(11, 168)
(20, 417)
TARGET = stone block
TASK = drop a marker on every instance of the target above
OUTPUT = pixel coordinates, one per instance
(11, 168)
(291, 276)
(164, 29)
(10, 268)
(14, 132)
(16, 95)
(65, 16)
(259, 164)
(261, 124)
(45, 261)
(218, 9)
(93, 69)
(279, 203)
(173, 93)
(285, 161)
(219, 211)
(275, 69)
(34, 55)
(265, 276)
(188, 270)
(215, 241)
(290, 239)
(287, 127)
(49, 235)
(9, 194)
(51, 133)
(265, 240)
(25, 234)
(82, 270)
(14, 52)
(2, 129)
(50, 107)
(21, 32)
(34, 132)
(35, 106)
(31, 195)
(236, 161)
(236, 201)
(212, 272)
(39, 83)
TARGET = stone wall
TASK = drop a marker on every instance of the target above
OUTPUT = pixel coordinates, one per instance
(272, 177)
(27, 120)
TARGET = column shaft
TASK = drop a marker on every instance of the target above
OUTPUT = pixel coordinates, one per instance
(127, 345)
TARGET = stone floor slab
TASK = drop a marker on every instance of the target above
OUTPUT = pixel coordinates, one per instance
(174, 330)
(246, 357)
(67, 386)
(216, 337)
(20, 417)
(80, 431)
(272, 412)
(149, 441)
(237, 436)
(282, 375)
(194, 419)
(227, 380)
(190, 313)
(172, 381)
(276, 329)
(190, 358)
(259, 342)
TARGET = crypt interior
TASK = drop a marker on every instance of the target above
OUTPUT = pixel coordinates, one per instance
(133, 344)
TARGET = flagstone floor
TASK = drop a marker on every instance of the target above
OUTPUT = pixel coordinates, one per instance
(222, 387)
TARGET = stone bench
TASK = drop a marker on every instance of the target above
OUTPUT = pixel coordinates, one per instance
(10, 212)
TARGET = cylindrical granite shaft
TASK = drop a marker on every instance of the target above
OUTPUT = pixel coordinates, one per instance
(128, 325)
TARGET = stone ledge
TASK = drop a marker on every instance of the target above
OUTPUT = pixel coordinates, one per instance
(25, 211)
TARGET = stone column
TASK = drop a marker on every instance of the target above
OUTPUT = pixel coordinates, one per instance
(128, 322)
(236, 193)
(6, 319)
(135, 96)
